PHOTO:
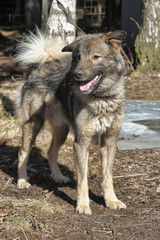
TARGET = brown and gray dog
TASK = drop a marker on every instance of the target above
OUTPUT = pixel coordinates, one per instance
(83, 90)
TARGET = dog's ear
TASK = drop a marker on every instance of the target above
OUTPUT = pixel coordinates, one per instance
(70, 47)
(115, 38)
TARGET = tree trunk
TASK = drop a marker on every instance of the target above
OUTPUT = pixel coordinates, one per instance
(57, 25)
(148, 40)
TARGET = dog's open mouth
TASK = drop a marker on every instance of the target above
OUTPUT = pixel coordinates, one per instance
(89, 86)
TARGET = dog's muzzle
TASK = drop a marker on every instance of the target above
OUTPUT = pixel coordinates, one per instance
(87, 86)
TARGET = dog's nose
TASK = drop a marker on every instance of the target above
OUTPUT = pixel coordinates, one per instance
(78, 73)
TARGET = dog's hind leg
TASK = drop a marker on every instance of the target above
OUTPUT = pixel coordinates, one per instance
(59, 135)
(29, 133)
(108, 148)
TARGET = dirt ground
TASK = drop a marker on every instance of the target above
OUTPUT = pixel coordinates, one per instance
(47, 210)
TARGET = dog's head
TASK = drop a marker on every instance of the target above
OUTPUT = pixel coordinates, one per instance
(97, 62)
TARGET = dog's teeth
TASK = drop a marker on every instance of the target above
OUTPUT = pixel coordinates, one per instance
(95, 78)
(87, 86)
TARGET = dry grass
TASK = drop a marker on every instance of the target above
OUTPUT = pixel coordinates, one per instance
(141, 86)
(9, 128)
(29, 214)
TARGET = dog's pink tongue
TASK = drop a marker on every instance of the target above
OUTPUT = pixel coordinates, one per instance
(85, 87)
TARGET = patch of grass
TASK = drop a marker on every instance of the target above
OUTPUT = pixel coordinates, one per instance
(9, 127)
(29, 215)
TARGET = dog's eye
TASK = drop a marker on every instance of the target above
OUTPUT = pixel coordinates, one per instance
(95, 57)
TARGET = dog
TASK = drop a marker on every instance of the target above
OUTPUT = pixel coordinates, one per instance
(80, 87)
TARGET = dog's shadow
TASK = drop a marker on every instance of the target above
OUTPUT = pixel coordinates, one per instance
(39, 174)
(37, 169)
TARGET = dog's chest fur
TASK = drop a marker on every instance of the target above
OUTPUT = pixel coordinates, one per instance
(99, 115)
(102, 115)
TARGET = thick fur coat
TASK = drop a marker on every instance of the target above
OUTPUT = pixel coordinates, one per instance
(80, 87)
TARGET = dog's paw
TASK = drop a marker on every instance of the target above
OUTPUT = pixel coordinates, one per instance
(60, 179)
(23, 184)
(115, 204)
(83, 210)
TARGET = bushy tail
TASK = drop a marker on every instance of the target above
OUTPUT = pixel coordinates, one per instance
(38, 48)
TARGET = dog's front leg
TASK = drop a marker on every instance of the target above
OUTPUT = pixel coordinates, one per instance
(81, 160)
(108, 149)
